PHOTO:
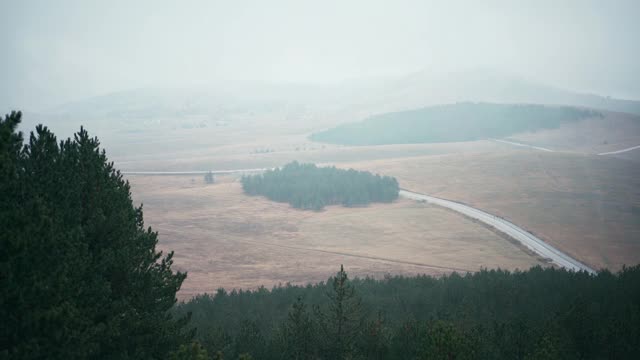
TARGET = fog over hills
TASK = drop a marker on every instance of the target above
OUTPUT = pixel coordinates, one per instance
(359, 97)
(68, 50)
(423, 88)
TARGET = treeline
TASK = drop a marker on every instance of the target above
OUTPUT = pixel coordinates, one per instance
(455, 122)
(493, 314)
(307, 186)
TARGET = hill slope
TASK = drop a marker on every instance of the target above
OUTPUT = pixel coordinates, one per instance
(486, 85)
(455, 122)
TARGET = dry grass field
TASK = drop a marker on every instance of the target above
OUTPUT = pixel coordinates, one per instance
(586, 205)
(226, 239)
(592, 136)
(274, 150)
(253, 144)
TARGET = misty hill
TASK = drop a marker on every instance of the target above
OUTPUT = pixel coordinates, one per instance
(424, 88)
(367, 95)
(163, 111)
(450, 123)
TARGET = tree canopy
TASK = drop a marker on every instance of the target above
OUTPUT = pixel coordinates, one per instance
(80, 276)
(308, 186)
(541, 313)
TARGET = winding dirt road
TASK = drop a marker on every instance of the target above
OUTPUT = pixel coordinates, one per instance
(620, 151)
(527, 239)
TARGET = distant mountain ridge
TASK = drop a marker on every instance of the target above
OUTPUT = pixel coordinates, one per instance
(423, 89)
(357, 98)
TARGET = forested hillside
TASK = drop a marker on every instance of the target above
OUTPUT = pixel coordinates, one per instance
(492, 314)
(449, 123)
(307, 186)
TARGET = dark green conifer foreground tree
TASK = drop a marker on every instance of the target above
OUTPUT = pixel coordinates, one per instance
(342, 320)
(299, 333)
(80, 276)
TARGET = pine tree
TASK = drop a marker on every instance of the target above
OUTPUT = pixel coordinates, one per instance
(193, 351)
(80, 274)
(208, 178)
(545, 349)
(298, 332)
(342, 320)
(249, 340)
(444, 341)
(374, 340)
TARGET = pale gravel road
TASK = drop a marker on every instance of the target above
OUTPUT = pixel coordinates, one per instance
(549, 150)
(620, 151)
(527, 239)
(522, 145)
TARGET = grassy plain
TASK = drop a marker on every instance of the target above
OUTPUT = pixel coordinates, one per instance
(226, 239)
(592, 136)
(586, 205)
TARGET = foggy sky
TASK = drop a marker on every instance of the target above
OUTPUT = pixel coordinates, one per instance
(58, 51)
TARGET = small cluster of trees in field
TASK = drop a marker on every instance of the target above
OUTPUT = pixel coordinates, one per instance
(307, 186)
(542, 313)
